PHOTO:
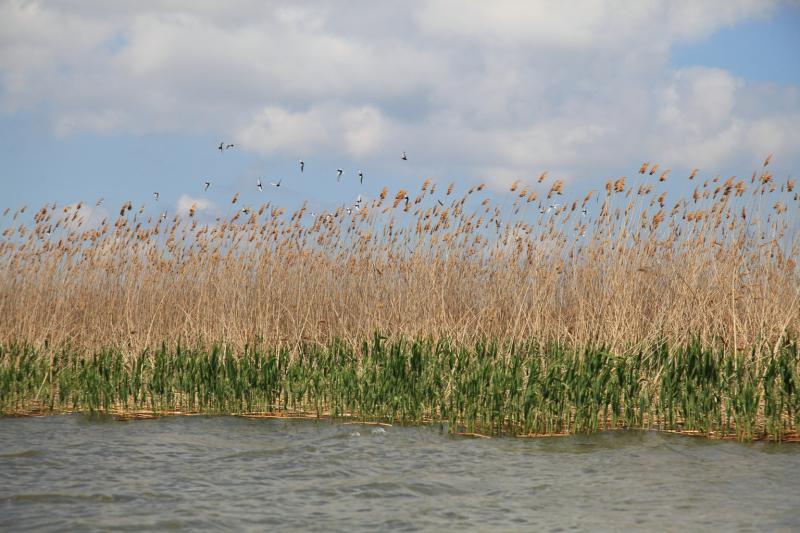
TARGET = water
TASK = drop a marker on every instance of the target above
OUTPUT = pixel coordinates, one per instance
(80, 473)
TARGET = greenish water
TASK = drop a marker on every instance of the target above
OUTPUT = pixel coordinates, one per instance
(209, 473)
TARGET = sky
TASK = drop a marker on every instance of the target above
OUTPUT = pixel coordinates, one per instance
(122, 99)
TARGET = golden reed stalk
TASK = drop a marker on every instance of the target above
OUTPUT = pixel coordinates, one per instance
(622, 267)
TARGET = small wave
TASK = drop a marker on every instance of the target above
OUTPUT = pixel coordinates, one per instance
(57, 497)
(22, 454)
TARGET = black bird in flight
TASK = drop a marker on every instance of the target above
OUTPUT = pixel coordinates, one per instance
(302, 165)
(339, 174)
(206, 185)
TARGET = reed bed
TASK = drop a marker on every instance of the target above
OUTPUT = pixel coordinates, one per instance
(618, 271)
(487, 388)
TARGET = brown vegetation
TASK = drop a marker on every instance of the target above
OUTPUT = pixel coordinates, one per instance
(636, 267)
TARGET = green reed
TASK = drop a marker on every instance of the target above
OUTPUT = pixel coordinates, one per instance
(489, 387)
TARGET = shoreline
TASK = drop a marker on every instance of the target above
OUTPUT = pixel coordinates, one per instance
(133, 416)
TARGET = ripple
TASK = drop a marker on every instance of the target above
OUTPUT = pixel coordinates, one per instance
(22, 454)
(61, 498)
(227, 473)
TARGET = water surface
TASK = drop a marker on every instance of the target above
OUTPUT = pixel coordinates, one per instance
(200, 473)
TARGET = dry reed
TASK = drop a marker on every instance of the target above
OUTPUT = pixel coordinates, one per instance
(621, 268)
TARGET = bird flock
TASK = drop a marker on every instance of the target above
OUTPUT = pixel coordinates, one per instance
(225, 146)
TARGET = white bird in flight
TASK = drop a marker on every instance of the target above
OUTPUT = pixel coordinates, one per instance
(155, 195)
(361, 176)
(222, 147)
(302, 165)
(258, 184)
(278, 184)
(404, 157)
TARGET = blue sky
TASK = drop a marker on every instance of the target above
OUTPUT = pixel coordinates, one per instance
(118, 101)
(759, 49)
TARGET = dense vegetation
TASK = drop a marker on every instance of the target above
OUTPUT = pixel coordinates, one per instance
(623, 307)
(488, 387)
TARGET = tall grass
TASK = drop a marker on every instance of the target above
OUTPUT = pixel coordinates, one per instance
(626, 268)
(637, 268)
(488, 387)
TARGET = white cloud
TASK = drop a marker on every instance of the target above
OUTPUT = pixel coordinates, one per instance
(490, 90)
(186, 203)
(582, 24)
(276, 129)
(355, 131)
(363, 130)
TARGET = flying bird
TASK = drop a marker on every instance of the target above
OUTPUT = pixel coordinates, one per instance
(246, 210)
(206, 185)
(164, 215)
(222, 147)
(302, 165)
(275, 184)
(339, 174)
(260, 187)
(155, 195)
(552, 206)
(361, 176)
(404, 157)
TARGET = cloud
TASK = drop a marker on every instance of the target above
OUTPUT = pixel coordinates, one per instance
(276, 129)
(201, 205)
(490, 91)
(703, 118)
(582, 24)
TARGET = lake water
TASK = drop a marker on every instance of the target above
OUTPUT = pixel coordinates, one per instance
(209, 473)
